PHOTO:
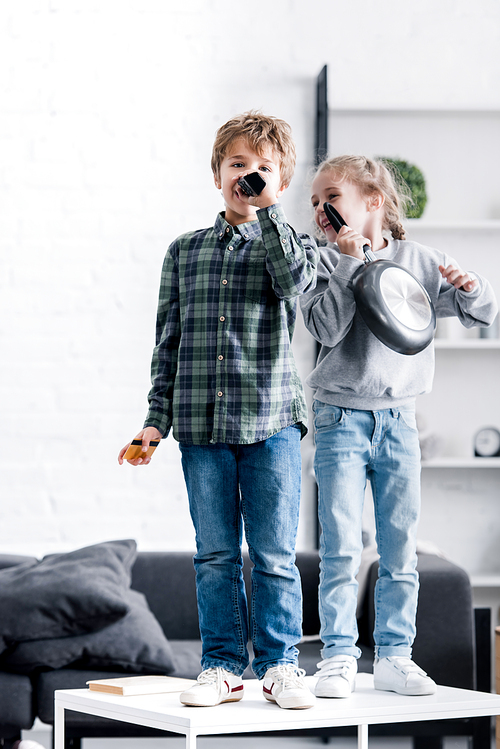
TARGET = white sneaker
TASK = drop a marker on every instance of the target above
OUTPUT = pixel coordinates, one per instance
(336, 676)
(284, 685)
(213, 686)
(401, 675)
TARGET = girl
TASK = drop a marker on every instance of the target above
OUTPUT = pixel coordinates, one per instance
(365, 427)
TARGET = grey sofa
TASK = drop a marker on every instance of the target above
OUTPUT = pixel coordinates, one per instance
(17, 704)
(452, 645)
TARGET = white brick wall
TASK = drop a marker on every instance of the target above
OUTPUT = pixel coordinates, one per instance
(107, 114)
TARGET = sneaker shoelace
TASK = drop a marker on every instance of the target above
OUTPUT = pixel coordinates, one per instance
(333, 668)
(213, 676)
(290, 677)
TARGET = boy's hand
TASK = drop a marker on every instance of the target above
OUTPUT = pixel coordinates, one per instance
(145, 435)
(351, 243)
(270, 194)
(458, 277)
(267, 197)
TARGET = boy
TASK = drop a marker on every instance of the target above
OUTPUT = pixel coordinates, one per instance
(225, 380)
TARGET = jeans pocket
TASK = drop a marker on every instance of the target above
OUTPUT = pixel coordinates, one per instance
(326, 416)
(408, 418)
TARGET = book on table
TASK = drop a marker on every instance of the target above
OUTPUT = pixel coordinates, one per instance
(132, 685)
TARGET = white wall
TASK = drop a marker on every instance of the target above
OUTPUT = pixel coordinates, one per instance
(107, 114)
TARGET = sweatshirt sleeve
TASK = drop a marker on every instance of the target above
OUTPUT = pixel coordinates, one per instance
(291, 258)
(476, 308)
(329, 309)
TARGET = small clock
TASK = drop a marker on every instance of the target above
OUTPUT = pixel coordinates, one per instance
(487, 443)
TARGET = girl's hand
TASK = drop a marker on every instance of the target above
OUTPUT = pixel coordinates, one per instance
(458, 277)
(146, 435)
(351, 243)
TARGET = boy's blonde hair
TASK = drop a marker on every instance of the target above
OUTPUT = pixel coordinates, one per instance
(260, 132)
(374, 177)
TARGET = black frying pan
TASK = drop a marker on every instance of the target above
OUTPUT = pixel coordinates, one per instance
(391, 300)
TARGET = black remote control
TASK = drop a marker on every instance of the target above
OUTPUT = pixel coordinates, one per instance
(252, 184)
(338, 222)
(333, 217)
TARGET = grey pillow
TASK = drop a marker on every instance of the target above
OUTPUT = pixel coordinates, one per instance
(135, 644)
(65, 594)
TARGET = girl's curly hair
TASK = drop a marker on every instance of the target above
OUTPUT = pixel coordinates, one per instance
(374, 176)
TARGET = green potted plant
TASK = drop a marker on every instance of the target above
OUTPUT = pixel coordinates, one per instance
(411, 176)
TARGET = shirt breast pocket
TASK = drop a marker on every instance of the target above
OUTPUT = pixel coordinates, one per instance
(258, 285)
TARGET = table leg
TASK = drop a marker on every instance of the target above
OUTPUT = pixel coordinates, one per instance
(58, 726)
(190, 740)
(362, 736)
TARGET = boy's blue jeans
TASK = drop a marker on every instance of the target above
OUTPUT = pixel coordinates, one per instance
(259, 486)
(351, 447)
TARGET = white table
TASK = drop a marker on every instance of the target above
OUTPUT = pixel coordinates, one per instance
(365, 707)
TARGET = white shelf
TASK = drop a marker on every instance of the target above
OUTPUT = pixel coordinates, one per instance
(417, 224)
(485, 581)
(465, 224)
(467, 343)
(457, 462)
(407, 110)
(464, 191)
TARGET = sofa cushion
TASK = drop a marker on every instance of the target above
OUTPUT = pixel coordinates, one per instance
(187, 665)
(66, 678)
(16, 701)
(167, 580)
(187, 658)
(10, 560)
(136, 643)
(65, 594)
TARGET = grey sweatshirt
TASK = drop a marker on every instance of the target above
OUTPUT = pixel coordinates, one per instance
(354, 369)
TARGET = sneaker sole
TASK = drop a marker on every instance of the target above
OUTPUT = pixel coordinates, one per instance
(330, 694)
(212, 704)
(295, 706)
(194, 702)
(406, 691)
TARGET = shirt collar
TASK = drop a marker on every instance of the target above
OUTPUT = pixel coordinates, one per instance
(249, 230)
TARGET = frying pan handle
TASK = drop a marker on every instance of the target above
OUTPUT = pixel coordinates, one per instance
(337, 222)
(334, 217)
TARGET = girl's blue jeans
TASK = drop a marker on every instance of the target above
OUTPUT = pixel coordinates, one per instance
(352, 447)
(256, 486)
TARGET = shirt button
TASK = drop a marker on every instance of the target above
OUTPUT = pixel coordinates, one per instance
(224, 282)
(220, 393)
(283, 241)
(246, 236)
(230, 248)
(220, 357)
(222, 318)
(273, 215)
(228, 230)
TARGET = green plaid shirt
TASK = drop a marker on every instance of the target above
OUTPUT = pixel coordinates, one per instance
(223, 369)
